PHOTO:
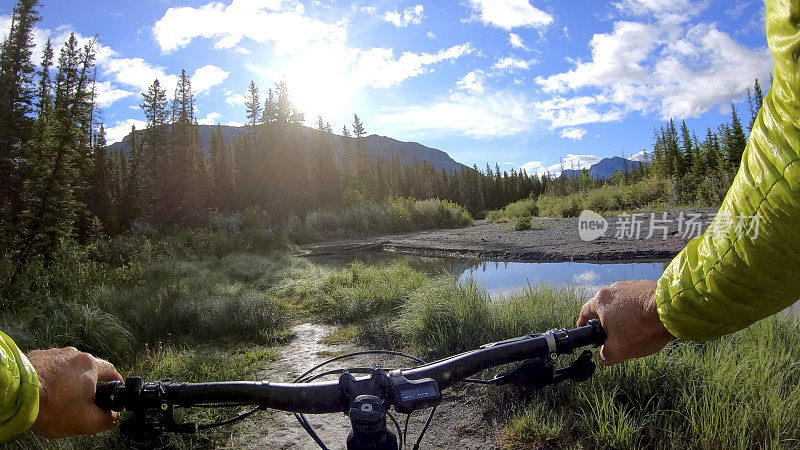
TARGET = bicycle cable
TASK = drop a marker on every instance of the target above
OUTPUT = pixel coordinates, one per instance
(306, 377)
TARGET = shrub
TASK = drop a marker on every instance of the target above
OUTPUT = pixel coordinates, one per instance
(394, 214)
(514, 211)
(522, 224)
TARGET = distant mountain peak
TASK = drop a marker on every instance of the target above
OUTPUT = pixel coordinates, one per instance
(606, 167)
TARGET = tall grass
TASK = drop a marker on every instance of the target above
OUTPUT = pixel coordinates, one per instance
(741, 392)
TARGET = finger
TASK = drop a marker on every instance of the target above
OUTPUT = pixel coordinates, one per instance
(611, 354)
(97, 420)
(107, 372)
(588, 312)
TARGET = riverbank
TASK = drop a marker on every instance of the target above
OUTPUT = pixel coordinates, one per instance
(548, 240)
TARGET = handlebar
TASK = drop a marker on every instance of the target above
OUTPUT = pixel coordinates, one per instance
(326, 397)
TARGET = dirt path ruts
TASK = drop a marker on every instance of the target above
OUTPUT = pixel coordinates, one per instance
(460, 421)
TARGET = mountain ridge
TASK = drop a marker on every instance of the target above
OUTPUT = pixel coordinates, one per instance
(382, 147)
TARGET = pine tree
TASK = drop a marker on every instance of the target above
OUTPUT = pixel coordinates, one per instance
(734, 143)
(17, 92)
(53, 166)
(363, 167)
(221, 176)
(253, 105)
(283, 106)
(45, 89)
(99, 200)
(270, 113)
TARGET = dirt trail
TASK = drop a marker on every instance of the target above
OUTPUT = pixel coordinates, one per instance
(459, 422)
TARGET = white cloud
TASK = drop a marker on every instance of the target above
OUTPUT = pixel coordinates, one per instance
(236, 99)
(122, 128)
(431, 35)
(487, 115)
(570, 162)
(511, 64)
(138, 73)
(678, 71)
(210, 119)
(509, 14)
(379, 68)
(234, 124)
(516, 41)
(641, 156)
(409, 16)
(534, 167)
(570, 112)
(106, 95)
(207, 77)
(576, 162)
(616, 57)
(263, 21)
(576, 134)
(472, 82)
(667, 10)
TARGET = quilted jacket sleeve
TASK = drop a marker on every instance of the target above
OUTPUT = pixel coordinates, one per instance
(733, 276)
(19, 390)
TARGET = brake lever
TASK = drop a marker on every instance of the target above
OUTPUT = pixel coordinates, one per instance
(538, 373)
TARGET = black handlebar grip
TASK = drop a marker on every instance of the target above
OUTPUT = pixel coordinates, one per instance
(591, 334)
(108, 395)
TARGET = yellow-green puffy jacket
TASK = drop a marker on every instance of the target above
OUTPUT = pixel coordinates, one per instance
(19, 390)
(727, 279)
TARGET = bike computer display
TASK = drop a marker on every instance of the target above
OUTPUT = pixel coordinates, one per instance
(411, 395)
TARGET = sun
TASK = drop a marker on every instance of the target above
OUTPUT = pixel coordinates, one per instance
(320, 83)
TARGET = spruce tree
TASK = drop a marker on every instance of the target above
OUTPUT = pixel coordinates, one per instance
(52, 175)
(17, 91)
(270, 112)
(253, 105)
(735, 142)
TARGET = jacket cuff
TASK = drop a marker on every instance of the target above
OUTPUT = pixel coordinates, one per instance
(22, 392)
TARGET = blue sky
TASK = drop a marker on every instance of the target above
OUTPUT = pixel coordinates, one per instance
(528, 83)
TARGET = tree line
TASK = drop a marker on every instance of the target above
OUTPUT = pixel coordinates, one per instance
(59, 181)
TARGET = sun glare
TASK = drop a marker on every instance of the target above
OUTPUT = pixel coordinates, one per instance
(319, 83)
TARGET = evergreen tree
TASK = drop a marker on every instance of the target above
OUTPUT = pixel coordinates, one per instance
(99, 200)
(270, 112)
(45, 89)
(735, 142)
(221, 176)
(253, 105)
(17, 92)
(53, 165)
(363, 166)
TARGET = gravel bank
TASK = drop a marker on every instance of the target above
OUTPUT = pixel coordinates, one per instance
(549, 240)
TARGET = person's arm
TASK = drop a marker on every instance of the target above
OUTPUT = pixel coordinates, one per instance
(51, 392)
(728, 278)
(19, 390)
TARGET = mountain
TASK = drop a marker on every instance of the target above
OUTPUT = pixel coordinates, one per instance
(606, 167)
(377, 147)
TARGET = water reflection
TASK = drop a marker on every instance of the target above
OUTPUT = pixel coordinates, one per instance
(501, 278)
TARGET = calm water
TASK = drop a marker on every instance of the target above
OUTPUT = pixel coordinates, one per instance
(501, 278)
